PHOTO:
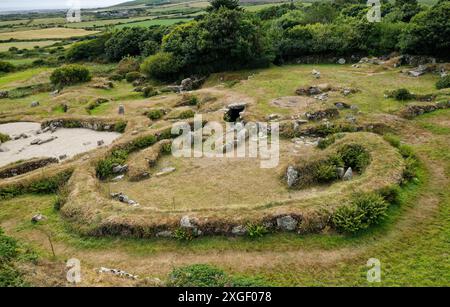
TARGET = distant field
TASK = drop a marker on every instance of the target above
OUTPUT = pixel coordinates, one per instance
(26, 45)
(101, 23)
(153, 22)
(51, 33)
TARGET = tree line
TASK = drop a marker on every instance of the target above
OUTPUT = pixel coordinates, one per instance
(227, 37)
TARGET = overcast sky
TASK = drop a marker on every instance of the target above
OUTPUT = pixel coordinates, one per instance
(9, 5)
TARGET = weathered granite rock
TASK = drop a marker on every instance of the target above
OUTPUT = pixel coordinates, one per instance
(287, 223)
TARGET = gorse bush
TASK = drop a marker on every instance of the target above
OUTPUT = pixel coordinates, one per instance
(155, 114)
(69, 75)
(326, 172)
(149, 91)
(354, 156)
(133, 76)
(6, 67)
(363, 211)
(402, 94)
(162, 65)
(443, 82)
(4, 138)
(186, 114)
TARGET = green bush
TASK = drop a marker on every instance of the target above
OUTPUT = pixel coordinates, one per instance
(104, 167)
(120, 126)
(8, 248)
(186, 114)
(127, 65)
(256, 231)
(4, 138)
(245, 282)
(162, 65)
(198, 275)
(402, 94)
(6, 66)
(133, 76)
(363, 211)
(149, 91)
(406, 151)
(324, 143)
(354, 156)
(155, 114)
(70, 74)
(443, 82)
(326, 172)
(182, 234)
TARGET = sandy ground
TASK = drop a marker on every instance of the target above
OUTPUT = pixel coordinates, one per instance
(69, 142)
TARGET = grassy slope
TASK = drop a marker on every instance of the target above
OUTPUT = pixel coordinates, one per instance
(412, 244)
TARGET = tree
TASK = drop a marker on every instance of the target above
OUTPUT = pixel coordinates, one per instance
(228, 4)
(428, 32)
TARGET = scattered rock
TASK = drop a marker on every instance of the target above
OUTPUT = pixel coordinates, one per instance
(100, 143)
(118, 169)
(164, 234)
(322, 97)
(419, 71)
(291, 176)
(165, 171)
(272, 117)
(342, 105)
(121, 110)
(322, 114)
(287, 223)
(316, 74)
(62, 157)
(239, 230)
(340, 172)
(38, 218)
(118, 273)
(342, 61)
(187, 222)
(348, 175)
(124, 199)
(187, 85)
(34, 104)
(4, 94)
(40, 142)
(118, 178)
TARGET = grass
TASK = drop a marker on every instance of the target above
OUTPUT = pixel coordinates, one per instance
(50, 33)
(148, 23)
(26, 45)
(23, 78)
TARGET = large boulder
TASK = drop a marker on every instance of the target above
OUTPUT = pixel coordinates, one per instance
(187, 85)
(287, 223)
(291, 176)
(348, 175)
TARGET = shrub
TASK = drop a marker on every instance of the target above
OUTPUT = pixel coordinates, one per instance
(354, 156)
(87, 50)
(256, 231)
(133, 76)
(4, 138)
(245, 282)
(116, 77)
(406, 151)
(329, 140)
(391, 194)
(149, 91)
(127, 65)
(6, 66)
(186, 114)
(363, 211)
(155, 114)
(120, 126)
(8, 248)
(162, 65)
(183, 234)
(326, 172)
(443, 82)
(70, 74)
(198, 275)
(402, 94)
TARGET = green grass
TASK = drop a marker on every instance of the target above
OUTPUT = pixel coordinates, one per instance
(15, 79)
(153, 22)
(26, 45)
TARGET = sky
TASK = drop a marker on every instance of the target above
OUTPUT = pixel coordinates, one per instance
(13, 5)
